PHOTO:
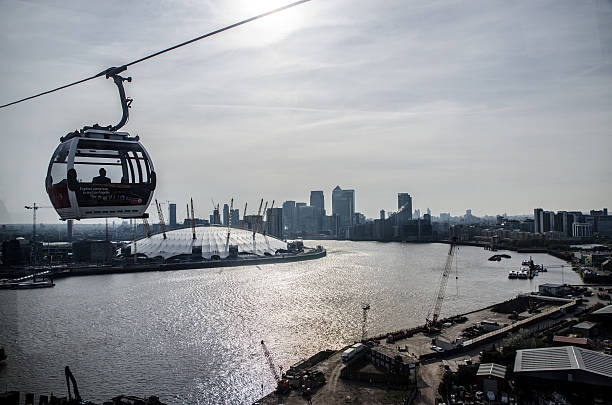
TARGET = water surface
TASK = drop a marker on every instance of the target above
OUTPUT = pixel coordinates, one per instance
(192, 336)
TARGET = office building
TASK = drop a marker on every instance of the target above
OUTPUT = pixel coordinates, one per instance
(382, 215)
(274, 222)
(343, 205)
(404, 199)
(317, 200)
(172, 215)
(225, 214)
(289, 214)
(235, 216)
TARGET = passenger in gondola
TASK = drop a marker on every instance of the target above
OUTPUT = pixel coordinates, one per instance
(101, 179)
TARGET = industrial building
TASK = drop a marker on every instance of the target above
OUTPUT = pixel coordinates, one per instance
(568, 363)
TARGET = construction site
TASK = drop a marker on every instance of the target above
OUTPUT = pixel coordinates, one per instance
(407, 366)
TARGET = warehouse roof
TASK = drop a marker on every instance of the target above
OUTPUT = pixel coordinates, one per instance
(492, 369)
(563, 358)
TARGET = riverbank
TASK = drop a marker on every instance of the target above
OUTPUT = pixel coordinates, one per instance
(420, 358)
(57, 273)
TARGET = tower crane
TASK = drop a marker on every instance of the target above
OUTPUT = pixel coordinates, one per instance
(35, 208)
(162, 223)
(282, 385)
(434, 313)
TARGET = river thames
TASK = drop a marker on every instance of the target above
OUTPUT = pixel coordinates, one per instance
(192, 336)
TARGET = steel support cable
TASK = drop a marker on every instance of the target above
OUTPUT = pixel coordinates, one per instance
(125, 66)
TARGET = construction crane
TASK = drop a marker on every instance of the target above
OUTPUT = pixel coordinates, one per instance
(244, 215)
(193, 221)
(365, 308)
(34, 208)
(160, 214)
(268, 219)
(70, 379)
(432, 318)
(282, 385)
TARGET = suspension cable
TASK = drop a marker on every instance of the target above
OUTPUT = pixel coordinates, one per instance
(123, 67)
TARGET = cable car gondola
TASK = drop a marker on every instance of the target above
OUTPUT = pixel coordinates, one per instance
(97, 172)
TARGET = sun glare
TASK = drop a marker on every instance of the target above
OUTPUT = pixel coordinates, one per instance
(274, 27)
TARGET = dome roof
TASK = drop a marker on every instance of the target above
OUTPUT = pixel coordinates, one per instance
(212, 239)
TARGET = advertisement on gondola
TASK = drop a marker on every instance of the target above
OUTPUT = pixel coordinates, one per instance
(93, 195)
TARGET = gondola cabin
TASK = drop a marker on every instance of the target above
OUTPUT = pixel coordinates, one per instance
(99, 173)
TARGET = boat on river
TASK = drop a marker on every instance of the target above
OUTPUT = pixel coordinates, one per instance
(26, 285)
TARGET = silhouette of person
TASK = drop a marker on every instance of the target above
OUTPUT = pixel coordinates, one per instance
(101, 179)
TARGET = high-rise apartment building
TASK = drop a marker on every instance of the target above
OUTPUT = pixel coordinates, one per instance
(538, 220)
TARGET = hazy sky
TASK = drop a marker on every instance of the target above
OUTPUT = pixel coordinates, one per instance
(495, 106)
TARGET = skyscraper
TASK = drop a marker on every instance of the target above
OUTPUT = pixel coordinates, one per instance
(317, 200)
(289, 214)
(235, 215)
(226, 214)
(404, 199)
(274, 222)
(172, 214)
(343, 205)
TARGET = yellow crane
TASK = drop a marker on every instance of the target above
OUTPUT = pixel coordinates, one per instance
(193, 221)
(160, 214)
(244, 215)
(261, 221)
(229, 225)
(268, 219)
(147, 227)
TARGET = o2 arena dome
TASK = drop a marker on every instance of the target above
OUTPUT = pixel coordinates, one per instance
(212, 240)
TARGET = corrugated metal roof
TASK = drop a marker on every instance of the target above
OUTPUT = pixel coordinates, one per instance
(571, 340)
(492, 369)
(212, 239)
(604, 311)
(584, 325)
(563, 358)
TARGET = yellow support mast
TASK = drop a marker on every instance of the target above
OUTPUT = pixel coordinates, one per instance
(193, 221)
(162, 223)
